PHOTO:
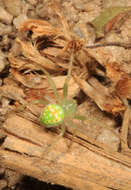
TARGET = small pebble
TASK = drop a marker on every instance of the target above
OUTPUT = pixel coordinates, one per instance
(2, 170)
(13, 7)
(32, 2)
(2, 61)
(5, 29)
(5, 17)
(3, 184)
(19, 20)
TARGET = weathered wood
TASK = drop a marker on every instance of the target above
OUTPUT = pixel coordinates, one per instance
(79, 167)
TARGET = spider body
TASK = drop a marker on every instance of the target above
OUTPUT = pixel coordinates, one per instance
(64, 111)
(55, 114)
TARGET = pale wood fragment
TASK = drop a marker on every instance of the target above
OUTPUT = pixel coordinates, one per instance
(124, 131)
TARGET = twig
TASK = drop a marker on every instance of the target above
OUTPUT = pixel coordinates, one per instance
(125, 45)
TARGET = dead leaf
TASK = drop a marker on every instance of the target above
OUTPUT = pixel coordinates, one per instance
(113, 71)
(106, 16)
(31, 53)
(123, 87)
(40, 28)
(101, 96)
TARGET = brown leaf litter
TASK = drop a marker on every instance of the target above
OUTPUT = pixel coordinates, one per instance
(98, 72)
(50, 47)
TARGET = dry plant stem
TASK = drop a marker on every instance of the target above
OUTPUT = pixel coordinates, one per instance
(125, 45)
(124, 130)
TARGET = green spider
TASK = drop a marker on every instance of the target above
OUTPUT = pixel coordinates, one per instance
(64, 111)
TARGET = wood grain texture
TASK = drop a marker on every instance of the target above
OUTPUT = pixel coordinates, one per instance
(80, 167)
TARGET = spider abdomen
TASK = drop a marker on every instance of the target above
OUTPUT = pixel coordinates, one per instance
(52, 115)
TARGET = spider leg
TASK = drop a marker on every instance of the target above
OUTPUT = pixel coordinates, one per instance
(28, 104)
(48, 149)
(51, 82)
(74, 126)
(71, 124)
(80, 117)
(65, 88)
(63, 129)
(39, 101)
(50, 99)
